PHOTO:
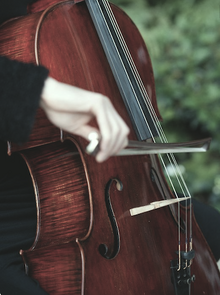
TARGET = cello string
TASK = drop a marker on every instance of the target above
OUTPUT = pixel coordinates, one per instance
(178, 213)
(176, 165)
(137, 77)
(139, 82)
(127, 53)
(120, 60)
(152, 110)
(186, 191)
(171, 157)
(122, 63)
(131, 62)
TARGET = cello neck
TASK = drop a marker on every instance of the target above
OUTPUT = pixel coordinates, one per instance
(123, 68)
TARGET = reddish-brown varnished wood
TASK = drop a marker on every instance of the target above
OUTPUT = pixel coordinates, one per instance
(64, 210)
(41, 5)
(70, 186)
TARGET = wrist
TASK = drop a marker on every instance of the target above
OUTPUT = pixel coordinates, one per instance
(47, 95)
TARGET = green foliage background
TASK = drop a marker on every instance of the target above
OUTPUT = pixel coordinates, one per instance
(182, 38)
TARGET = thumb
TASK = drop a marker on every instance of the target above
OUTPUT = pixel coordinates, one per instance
(86, 130)
(91, 134)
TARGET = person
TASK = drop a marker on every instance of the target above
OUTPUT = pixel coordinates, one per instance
(24, 88)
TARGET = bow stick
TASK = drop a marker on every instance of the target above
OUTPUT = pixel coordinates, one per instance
(146, 148)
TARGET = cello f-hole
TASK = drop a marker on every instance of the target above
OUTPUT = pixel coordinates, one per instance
(103, 248)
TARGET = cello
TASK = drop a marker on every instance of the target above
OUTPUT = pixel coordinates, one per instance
(91, 238)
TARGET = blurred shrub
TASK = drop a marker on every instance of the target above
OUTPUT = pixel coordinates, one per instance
(182, 38)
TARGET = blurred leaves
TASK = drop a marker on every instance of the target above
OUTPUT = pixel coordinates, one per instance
(183, 39)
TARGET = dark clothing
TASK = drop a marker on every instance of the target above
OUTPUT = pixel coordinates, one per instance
(21, 86)
(18, 227)
(13, 8)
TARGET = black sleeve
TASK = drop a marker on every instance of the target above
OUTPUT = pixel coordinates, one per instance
(20, 89)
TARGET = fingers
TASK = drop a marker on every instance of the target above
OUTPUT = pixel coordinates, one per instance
(71, 109)
(114, 132)
(107, 147)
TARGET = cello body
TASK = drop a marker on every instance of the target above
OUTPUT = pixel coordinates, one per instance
(86, 240)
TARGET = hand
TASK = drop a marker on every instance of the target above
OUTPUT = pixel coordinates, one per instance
(71, 109)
